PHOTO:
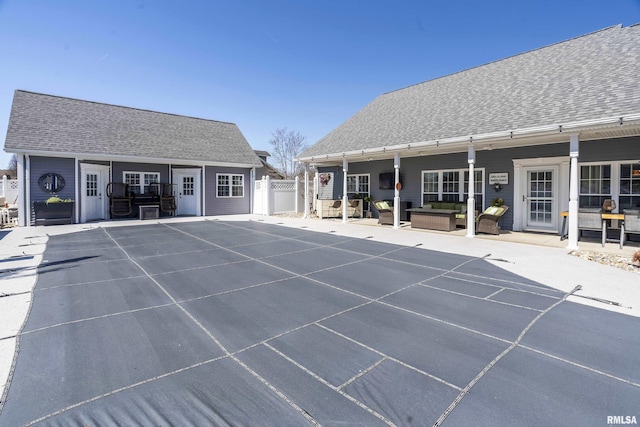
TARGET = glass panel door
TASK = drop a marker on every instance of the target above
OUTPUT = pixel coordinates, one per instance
(541, 202)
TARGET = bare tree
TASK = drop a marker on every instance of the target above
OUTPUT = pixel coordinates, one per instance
(13, 166)
(287, 144)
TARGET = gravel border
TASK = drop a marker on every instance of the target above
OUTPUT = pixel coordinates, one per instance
(618, 261)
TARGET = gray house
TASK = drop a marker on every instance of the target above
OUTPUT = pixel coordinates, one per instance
(82, 146)
(550, 130)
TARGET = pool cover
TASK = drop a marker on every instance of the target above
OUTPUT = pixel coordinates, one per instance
(245, 323)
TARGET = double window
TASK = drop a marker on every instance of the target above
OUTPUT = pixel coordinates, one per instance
(599, 182)
(357, 184)
(230, 185)
(452, 186)
(139, 181)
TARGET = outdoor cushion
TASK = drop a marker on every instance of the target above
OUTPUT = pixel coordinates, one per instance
(382, 205)
(451, 206)
(493, 210)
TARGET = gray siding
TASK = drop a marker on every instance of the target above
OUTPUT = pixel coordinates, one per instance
(62, 166)
(610, 149)
(226, 205)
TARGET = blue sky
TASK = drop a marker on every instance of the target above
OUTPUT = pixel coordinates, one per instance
(264, 64)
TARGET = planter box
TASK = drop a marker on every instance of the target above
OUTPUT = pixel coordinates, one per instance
(52, 213)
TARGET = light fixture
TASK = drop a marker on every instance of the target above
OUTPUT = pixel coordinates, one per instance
(497, 186)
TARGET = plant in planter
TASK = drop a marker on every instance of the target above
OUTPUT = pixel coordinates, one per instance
(498, 201)
(368, 199)
(53, 211)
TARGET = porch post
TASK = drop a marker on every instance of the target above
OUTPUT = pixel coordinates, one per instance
(76, 207)
(573, 192)
(23, 201)
(306, 191)
(396, 191)
(296, 193)
(267, 196)
(471, 201)
(26, 192)
(345, 198)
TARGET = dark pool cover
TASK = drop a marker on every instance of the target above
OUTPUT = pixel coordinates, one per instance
(244, 323)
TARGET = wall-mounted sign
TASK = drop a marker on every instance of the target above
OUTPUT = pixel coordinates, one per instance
(499, 178)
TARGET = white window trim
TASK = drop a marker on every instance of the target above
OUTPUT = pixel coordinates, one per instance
(230, 186)
(358, 175)
(461, 183)
(615, 175)
(141, 178)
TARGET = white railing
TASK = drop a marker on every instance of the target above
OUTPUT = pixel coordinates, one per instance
(278, 196)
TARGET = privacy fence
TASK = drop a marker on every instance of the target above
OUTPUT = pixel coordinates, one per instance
(277, 196)
(9, 190)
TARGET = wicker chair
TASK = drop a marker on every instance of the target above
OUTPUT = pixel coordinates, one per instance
(119, 199)
(385, 212)
(487, 221)
(630, 225)
(590, 219)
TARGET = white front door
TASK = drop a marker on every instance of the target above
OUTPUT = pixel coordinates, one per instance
(541, 211)
(187, 185)
(94, 204)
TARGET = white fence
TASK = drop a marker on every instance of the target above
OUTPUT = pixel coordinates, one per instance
(9, 190)
(278, 196)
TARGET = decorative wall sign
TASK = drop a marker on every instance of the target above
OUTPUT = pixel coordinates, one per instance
(51, 182)
(499, 178)
(325, 189)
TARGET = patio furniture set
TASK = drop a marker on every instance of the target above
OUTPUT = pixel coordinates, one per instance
(157, 198)
(332, 208)
(445, 216)
(600, 220)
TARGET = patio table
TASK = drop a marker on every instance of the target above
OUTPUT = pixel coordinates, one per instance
(433, 219)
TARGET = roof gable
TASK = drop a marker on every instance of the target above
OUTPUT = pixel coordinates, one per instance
(590, 77)
(45, 123)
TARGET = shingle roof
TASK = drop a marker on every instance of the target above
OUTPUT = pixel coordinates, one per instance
(589, 77)
(45, 123)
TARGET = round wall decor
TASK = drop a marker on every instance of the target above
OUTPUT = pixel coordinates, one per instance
(51, 182)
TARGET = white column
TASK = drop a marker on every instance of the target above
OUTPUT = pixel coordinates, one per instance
(396, 191)
(76, 206)
(345, 199)
(4, 187)
(306, 191)
(297, 195)
(24, 211)
(471, 201)
(574, 150)
(267, 195)
(27, 190)
(252, 184)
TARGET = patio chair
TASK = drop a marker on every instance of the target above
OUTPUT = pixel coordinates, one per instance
(167, 199)
(385, 212)
(487, 221)
(590, 219)
(119, 199)
(631, 224)
(353, 209)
